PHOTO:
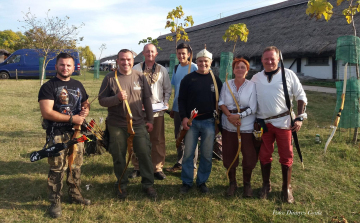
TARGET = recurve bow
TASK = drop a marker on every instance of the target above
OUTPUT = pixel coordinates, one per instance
(337, 119)
(130, 131)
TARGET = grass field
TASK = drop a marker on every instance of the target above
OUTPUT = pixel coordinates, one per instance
(328, 190)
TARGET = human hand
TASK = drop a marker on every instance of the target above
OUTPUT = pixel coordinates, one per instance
(297, 126)
(184, 124)
(122, 95)
(149, 127)
(172, 114)
(78, 119)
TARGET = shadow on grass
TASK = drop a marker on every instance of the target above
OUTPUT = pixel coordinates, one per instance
(19, 167)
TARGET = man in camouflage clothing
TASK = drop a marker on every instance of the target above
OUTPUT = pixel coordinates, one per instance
(63, 103)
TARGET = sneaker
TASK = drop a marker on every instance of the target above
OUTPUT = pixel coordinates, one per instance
(151, 192)
(79, 200)
(184, 189)
(134, 174)
(174, 169)
(122, 195)
(203, 188)
(159, 175)
(55, 210)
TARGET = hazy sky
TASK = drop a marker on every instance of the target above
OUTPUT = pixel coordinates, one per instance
(120, 23)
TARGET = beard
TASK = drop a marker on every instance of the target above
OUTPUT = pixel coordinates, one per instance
(61, 75)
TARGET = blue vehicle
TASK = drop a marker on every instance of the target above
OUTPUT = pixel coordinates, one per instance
(26, 62)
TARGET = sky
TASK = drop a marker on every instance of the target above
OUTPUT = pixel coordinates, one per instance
(120, 23)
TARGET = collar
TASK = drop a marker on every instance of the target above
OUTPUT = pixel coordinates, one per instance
(153, 67)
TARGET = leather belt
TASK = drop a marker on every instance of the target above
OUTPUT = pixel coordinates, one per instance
(235, 111)
(278, 116)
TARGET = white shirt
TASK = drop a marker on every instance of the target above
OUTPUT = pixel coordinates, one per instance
(245, 97)
(161, 88)
(271, 97)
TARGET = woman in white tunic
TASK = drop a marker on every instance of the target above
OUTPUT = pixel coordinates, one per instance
(245, 94)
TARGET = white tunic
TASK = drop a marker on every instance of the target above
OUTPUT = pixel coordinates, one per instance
(161, 90)
(245, 97)
(271, 98)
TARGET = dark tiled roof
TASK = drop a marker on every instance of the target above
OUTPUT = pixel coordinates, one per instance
(284, 25)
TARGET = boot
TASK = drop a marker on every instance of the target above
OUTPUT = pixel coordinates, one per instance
(246, 181)
(54, 187)
(233, 185)
(286, 193)
(266, 188)
(74, 191)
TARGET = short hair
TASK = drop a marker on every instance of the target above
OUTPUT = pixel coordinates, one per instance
(271, 48)
(125, 51)
(184, 46)
(238, 60)
(64, 56)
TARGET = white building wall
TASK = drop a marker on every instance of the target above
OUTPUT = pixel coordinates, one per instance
(287, 64)
(320, 72)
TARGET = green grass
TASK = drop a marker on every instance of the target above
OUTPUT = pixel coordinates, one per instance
(320, 83)
(328, 188)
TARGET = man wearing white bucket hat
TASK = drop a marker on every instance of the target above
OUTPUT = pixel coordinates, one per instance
(198, 90)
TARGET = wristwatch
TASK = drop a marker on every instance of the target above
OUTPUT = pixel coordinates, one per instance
(299, 119)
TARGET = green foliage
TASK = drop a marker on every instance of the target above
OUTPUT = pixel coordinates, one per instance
(11, 40)
(319, 8)
(235, 32)
(87, 57)
(155, 42)
(178, 27)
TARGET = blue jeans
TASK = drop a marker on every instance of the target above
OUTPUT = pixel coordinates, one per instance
(206, 130)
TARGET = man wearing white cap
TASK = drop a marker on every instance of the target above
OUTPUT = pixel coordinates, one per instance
(198, 90)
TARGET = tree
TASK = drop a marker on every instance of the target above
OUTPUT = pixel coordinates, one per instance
(50, 36)
(155, 42)
(177, 26)
(11, 41)
(236, 32)
(319, 8)
(102, 47)
(87, 57)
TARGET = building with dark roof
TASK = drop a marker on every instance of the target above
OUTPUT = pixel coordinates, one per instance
(308, 46)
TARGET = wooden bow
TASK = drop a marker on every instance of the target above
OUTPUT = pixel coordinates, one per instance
(337, 119)
(130, 131)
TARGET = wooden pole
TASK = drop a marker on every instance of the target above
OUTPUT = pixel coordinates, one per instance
(16, 75)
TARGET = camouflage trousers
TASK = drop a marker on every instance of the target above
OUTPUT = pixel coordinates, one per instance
(58, 166)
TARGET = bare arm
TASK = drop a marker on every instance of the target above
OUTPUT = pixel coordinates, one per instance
(47, 112)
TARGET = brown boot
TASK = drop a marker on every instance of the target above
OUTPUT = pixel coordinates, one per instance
(286, 193)
(246, 181)
(266, 188)
(233, 185)
(54, 187)
(232, 189)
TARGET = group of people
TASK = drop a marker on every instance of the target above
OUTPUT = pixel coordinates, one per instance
(129, 94)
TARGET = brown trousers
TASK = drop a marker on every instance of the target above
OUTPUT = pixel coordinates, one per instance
(157, 139)
(230, 147)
